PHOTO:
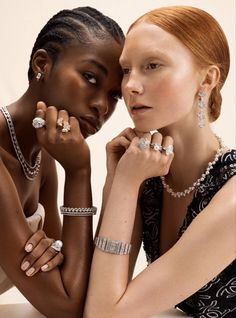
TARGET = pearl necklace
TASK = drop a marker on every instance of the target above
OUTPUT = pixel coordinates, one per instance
(30, 172)
(201, 179)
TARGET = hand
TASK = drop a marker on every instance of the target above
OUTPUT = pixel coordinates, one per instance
(137, 165)
(68, 148)
(117, 147)
(40, 257)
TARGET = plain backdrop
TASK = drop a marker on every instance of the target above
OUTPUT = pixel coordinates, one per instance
(21, 21)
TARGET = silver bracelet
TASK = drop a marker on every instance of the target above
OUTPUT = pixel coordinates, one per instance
(112, 246)
(67, 211)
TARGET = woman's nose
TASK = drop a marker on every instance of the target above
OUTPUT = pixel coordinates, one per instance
(133, 85)
(101, 106)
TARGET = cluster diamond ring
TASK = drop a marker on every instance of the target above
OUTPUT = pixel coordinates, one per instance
(168, 150)
(57, 245)
(38, 122)
(155, 146)
(144, 143)
(66, 127)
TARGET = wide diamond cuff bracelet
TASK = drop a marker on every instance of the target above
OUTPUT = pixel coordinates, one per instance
(112, 246)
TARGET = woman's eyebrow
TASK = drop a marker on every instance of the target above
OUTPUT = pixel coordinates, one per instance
(98, 65)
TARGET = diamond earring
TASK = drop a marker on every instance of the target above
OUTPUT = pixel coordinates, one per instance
(201, 105)
(38, 76)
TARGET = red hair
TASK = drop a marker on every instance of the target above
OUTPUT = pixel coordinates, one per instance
(202, 35)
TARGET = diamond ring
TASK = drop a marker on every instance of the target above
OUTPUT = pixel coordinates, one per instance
(168, 150)
(143, 143)
(38, 122)
(57, 245)
(155, 146)
(66, 127)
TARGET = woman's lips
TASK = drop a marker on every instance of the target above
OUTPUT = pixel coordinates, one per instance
(139, 109)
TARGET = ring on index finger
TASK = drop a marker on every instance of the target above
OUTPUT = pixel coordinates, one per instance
(57, 245)
(38, 122)
(144, 143)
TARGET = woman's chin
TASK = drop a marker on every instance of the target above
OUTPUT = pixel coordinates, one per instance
(145, 128)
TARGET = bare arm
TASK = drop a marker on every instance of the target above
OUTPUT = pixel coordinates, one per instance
(60, 292)
(48, 197)
(115, 149)
(205, 249)
(65, 288)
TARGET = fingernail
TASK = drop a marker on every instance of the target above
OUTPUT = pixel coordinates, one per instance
(25, 265)
(30, 271)
(29, 247)
(44, 267)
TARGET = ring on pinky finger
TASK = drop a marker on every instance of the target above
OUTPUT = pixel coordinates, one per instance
(169, 150)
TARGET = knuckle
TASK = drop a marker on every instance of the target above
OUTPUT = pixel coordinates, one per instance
(109, 145)
(40, 233)
(51, 251)
(128, 130)
(51, 139)
(32, 256)
(45, 243)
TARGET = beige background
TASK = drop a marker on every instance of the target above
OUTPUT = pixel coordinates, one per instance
(20, 22)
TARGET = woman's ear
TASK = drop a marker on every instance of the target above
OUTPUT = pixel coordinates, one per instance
(211, 77)
(41, 62)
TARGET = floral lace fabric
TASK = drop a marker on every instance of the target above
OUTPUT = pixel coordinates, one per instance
(217, 299)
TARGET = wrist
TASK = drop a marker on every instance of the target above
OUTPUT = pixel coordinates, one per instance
(78, 173)
(128, 185)
(127, 179)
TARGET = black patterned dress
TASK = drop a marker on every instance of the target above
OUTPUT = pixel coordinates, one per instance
(217, 299)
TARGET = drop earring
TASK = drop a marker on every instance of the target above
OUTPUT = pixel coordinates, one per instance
(201, 107)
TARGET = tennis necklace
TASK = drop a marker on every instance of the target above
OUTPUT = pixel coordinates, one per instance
(198, 181)
(30, 172)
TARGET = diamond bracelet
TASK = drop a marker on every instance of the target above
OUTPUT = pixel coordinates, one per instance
(112, 246)
(67, 211)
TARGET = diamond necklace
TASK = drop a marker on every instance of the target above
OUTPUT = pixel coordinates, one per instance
(201, 179)
(30, 172)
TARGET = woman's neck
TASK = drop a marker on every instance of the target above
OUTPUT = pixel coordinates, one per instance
(193, 150)
(22, 113)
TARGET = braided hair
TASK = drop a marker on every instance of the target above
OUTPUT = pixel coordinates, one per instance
(76, 24)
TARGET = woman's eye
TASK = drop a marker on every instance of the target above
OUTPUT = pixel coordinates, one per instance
(153, 66)
(90, 78)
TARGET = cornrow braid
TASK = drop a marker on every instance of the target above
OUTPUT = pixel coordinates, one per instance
(76, 24)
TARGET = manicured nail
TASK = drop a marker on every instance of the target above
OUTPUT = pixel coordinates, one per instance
(44, 267)
(30, 271)
(29, 247)
(25, 265)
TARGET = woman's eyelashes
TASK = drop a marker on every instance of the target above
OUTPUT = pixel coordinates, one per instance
(149, 66)
(90, 77)
(152, 66)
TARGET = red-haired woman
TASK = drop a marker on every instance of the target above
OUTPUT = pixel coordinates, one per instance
(175, 188)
